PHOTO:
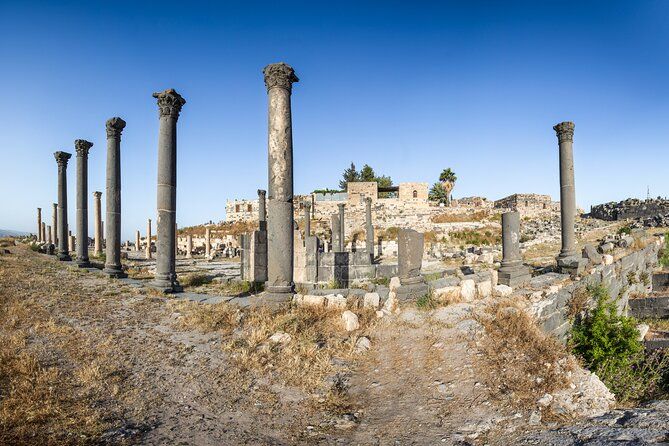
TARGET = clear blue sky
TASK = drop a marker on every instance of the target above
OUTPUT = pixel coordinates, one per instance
(408, 87)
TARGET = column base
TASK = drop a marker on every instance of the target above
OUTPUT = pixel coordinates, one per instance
(83, 263)
(564, 254)
(411, 290)
(573, 265)
(167, 286)
(278, 294)
(113, 271)
(64, 257)
(513, 276)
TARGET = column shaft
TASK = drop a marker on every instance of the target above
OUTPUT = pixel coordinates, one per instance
(62, 159)
(148, 239)
(97, 215)
(342, 230)
(54, 225)
(113, 203)
(369, 228)
(565, 134)
(39, 225)
(82, 148)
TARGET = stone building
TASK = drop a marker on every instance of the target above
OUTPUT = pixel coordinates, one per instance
(528, 204)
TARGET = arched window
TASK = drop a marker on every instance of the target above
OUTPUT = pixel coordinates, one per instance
(544, 205)
(236, 208)
(415, 194)
(249, 208)
(527, 203)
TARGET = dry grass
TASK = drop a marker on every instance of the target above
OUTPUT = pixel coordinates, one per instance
(521, 362)
(460, 218)
(318, 351)
(578, 302)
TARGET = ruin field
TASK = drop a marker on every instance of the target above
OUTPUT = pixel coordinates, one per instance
(85, 359)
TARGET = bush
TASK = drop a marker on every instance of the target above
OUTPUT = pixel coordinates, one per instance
(609, 345)
(625, 230)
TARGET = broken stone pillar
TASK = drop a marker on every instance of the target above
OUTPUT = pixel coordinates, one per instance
(169, 104)
(279, 79)
(262, 213)
(369, 228)
(512, 272)
(113, 266)
(39, 225)
(97, 215)
(335, 232)
(307, 219)
(137, 240)
(62, 158)
(207, 243)
(44, 232)
(47, 231)
(71, 243)
(54, 224)
(148, 239)
(82, 147)
(311, 258)
(189, 246)
(342, 231)
(565, 134)
(409, 262)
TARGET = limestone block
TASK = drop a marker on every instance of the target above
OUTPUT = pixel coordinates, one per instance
(394, 283)
(350, 320)
(362, 344)
(608, 259)
(335, 301)
(589, 252)
(316, 301)
(371, 300)
(448, 295)
(502, 290)
(467, 290)
(484, 289)
(494, 277)
(280, 338)
(391, 304)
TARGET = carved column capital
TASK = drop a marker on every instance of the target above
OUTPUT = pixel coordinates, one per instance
(62, 158)
(279, 75)
(114, 127)
(82, 147)
(368, 200)
(262, 193)
(340, 206)
(307, 204)
(564, 131)
(97, 194)
(169, 103)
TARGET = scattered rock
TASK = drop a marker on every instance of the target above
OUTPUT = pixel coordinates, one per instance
(447, 295)
(362, 344)
(484, 289)
(502, 290)
(394, 283)
(350, 320)
(335, 301)
(371, 300)
(280, 338)
(467, 290)
(643, 330)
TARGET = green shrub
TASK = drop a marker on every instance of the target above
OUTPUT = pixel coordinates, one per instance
(34, 247)
(625, 230)
(609, 345)
(426, 302)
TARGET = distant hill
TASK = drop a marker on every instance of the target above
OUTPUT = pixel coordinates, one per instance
(11, 233)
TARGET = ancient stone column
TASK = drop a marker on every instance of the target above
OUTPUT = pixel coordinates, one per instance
(113, 266)
(169, 107)
(137, 240)
(512, 271)
(189, 246)
(565, 134)
(342, 230)
(39, 225)
(369, 228)
(71, 243)
(207, 243)
(62, 158)
(54, 223)
(82, 147)
(97, 215)
(262, 213)
(279, 79)
(148, 239)
(307, 219)
(48, 233)
(335, 232)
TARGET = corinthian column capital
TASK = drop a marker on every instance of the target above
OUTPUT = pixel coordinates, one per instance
(62, 158)
(82, 147)
(564, 131)
(114, 127)
(97, 194)
(279, 75)
(169, 103)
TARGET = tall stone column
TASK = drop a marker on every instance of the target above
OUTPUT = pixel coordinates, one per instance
(342, 230)
(262, 213)
(189, 246)
(39, 225)
(369, 228)
(113, 266)
(512, 271)
(62, 158)
(97, 215)
(48, 233)
(565, 134)
(44, 232)
(54, 223)
(279, 79)
(307, 219)
(207, 243)
(137, 241)
(169, 106)
(82, 147)
(148, 239)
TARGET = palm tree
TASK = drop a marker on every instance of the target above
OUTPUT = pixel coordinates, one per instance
(448, 179)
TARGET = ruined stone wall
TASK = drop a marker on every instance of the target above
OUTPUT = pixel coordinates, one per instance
(528, 204)
(416, 193)
(241, 210)
(358, 191)
(627, 274)
(631, 208)
(473, 202)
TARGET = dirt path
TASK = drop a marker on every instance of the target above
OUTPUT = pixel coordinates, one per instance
(135, 377)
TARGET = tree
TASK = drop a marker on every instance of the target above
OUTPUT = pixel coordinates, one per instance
(448, 179)
(350, 175)
(367, 173)
(439, 193)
